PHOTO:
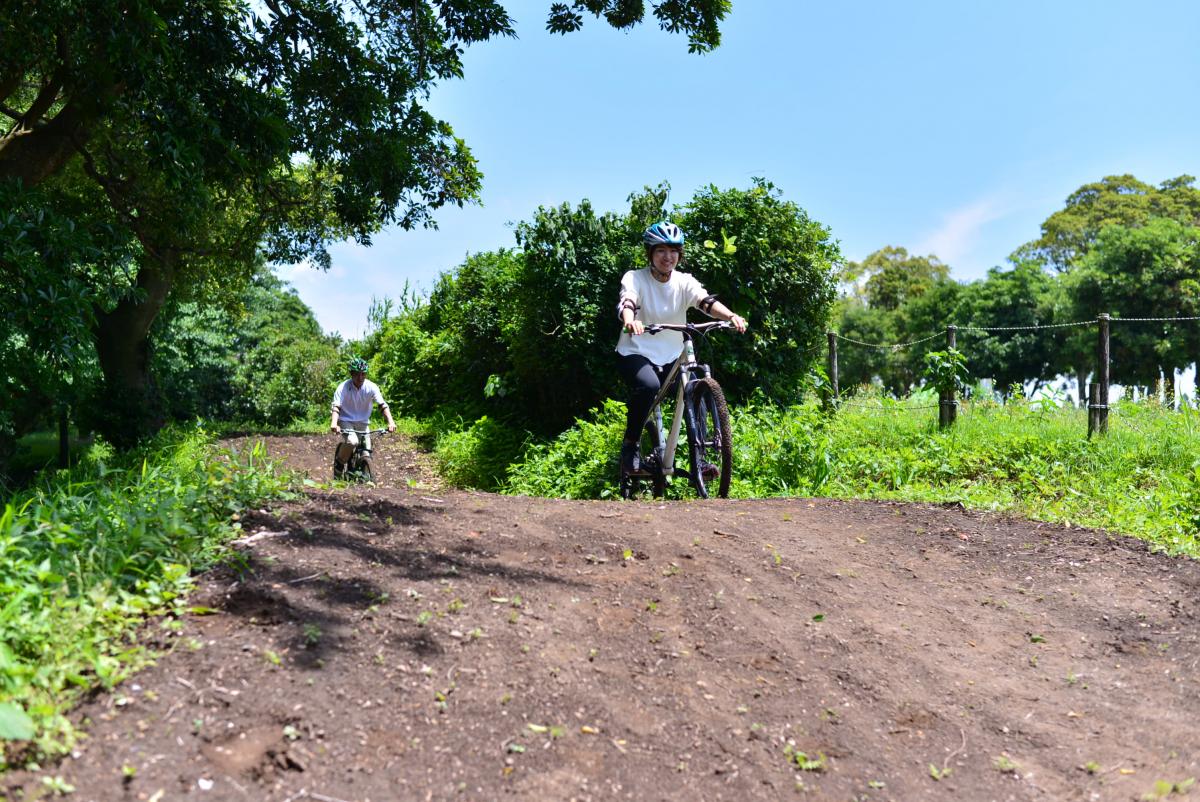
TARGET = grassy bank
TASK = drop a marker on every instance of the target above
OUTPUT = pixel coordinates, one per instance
(1143, 479)
(87, 554)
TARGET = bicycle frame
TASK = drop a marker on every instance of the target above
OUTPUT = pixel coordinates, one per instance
(683, 368)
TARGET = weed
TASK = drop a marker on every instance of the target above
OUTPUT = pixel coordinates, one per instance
(312, 635)
(1163, 789)
(58, 786)
(803, 761)
(1005, 764)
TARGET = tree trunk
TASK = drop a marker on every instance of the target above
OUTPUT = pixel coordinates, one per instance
(33, 155)
(132, 407)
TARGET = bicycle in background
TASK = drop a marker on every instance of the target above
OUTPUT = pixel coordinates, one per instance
(358, 466)
(700, 407)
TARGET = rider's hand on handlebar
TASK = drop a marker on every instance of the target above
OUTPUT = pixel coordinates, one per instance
(635, 327)
(333, 427)
(739, 323)
(391, 427)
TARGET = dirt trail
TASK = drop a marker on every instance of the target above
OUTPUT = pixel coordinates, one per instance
(411, 642)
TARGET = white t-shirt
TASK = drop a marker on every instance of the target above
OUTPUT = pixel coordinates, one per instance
(356, 402)
(658, 302)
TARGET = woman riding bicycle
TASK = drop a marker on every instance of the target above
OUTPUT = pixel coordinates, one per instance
(657, 293)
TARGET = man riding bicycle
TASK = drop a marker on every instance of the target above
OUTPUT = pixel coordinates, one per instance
(657, 293)
(353, 401)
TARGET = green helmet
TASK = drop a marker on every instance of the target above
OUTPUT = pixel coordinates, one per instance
(358, 365)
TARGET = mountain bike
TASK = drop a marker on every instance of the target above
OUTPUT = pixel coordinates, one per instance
(358, 467)
(700, 406)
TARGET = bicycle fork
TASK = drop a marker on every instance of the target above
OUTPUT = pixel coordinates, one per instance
(687, 362)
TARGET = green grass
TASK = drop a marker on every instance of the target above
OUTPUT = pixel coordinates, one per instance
(1142, 479)
(86, 555)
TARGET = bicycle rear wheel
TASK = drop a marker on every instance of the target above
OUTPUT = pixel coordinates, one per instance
(709, 439)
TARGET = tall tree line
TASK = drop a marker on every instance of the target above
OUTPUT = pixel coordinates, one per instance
(1118, 245)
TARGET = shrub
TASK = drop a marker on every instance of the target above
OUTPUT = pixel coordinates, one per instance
(479, 455)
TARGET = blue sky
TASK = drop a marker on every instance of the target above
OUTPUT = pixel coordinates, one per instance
(951, 128)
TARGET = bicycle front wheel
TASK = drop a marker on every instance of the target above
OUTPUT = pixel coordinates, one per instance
(366, 470)
(709, 439)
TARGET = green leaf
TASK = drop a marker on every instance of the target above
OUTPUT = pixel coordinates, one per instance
(15, 725)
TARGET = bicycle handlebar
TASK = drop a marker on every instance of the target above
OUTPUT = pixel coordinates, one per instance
(691, 328)
(368, 431)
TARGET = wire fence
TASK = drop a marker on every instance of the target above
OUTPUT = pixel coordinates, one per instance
(948, 405)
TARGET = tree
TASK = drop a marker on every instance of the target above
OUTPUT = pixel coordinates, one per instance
(260, 357)
(1021, 296)
(1122, 200)
(893, 297)
(769, 261)
(1145, 272)
(213, 127)
(890, 277)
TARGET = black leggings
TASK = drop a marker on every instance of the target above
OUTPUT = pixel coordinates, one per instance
(644, 379)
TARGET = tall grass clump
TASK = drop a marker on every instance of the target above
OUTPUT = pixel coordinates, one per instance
(1027, 458)
(87, 554)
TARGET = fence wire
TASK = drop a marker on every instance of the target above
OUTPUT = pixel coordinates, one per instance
(881, 408)
(1036, 327)
(892, 346)
(1149, 319)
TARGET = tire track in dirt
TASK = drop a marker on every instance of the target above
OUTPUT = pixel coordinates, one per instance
(408, 641)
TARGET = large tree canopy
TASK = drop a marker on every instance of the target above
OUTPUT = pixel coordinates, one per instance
(1122, 200)
(216, 128)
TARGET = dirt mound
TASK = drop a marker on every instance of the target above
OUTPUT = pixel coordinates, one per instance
(412, 642)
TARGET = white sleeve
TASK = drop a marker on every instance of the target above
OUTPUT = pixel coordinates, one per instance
(378, 395)
(629, 294)
(337, 396)
(695, 292)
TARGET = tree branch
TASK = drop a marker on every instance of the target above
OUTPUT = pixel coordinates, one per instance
(32, 156)
(45, 99)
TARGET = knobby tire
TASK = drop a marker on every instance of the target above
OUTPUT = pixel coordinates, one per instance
(710, 443)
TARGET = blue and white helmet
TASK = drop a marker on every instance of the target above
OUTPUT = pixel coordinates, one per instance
(663, 233)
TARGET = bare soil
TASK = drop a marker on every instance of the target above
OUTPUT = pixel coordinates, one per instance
(406, 641)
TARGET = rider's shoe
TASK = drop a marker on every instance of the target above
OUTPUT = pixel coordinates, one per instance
(630, 459)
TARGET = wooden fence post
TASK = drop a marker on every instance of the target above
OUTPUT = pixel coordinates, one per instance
(833, 366)
(1102, 374)
(947, 403)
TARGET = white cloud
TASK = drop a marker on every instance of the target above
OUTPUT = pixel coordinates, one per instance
(958, 238)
